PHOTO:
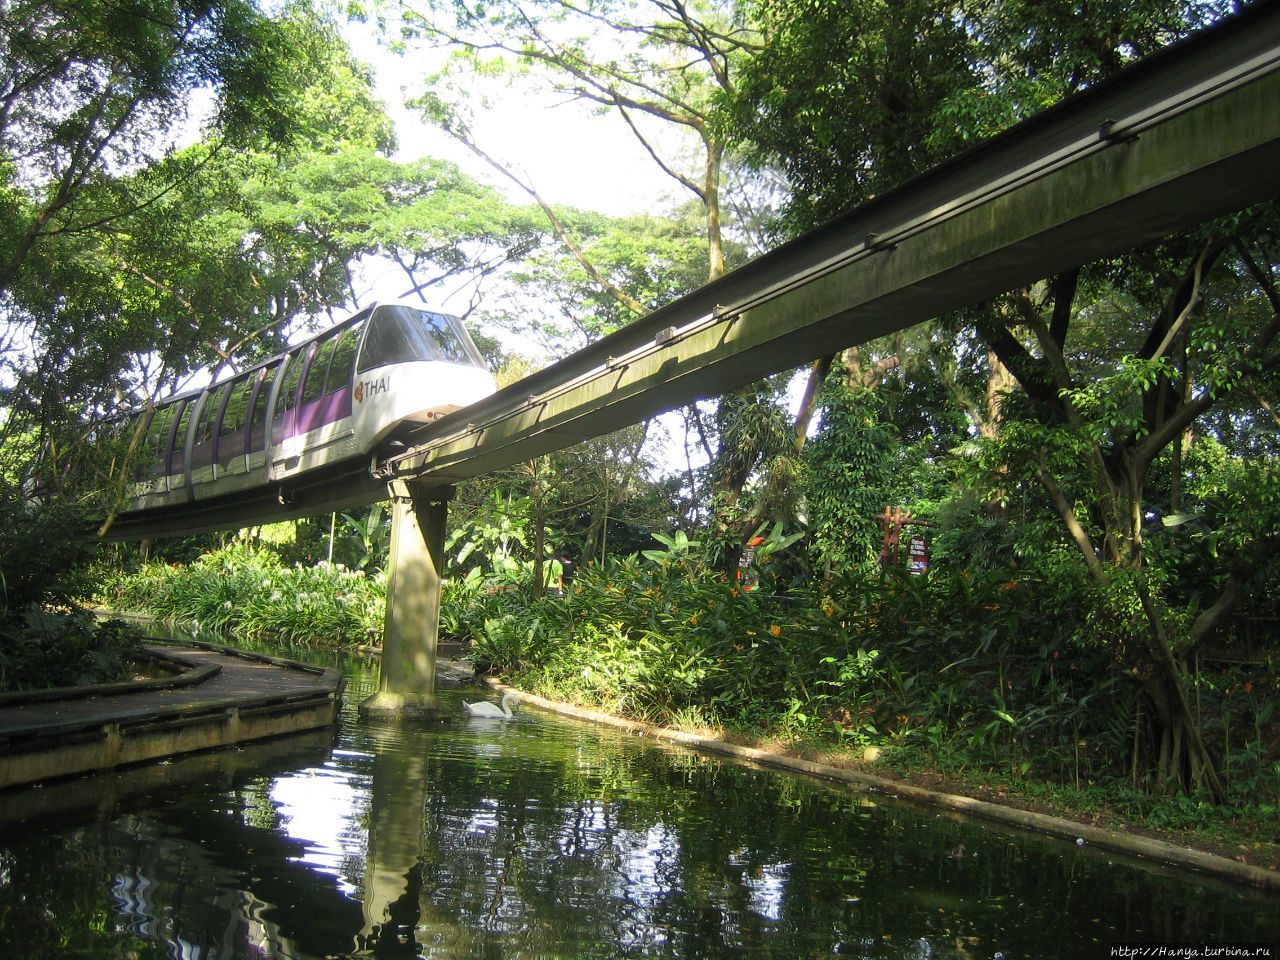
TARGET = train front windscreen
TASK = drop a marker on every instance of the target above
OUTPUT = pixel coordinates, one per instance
(398, 334)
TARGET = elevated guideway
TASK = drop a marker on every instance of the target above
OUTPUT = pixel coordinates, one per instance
(1188, 134)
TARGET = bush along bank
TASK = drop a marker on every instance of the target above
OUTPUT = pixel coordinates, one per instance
(246, 592)
(47, 638)
(976, 683)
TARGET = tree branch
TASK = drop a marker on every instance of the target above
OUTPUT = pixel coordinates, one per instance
(1243, 570)
(1072, 523)
(680, 178)
(561, 231)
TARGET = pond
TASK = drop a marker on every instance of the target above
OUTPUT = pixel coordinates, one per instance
(547, 838)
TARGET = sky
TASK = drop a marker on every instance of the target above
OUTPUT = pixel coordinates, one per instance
(572, 155)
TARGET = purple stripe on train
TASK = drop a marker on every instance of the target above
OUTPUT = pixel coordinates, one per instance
(330, 408)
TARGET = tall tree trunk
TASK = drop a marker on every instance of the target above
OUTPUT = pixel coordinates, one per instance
(1183, 761)
(809, 402)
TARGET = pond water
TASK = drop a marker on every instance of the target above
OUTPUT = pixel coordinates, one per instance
(549, 838)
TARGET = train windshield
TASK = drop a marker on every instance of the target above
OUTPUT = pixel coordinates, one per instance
(398, 334)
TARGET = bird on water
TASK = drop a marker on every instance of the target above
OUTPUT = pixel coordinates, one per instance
(487, 710)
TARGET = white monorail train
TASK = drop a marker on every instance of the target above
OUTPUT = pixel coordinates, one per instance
(333, 398)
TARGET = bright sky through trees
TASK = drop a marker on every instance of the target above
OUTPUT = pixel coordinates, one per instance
(571, 155)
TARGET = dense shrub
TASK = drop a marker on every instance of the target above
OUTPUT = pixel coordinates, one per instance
(61, 649)
(987, 671)
(984, 671)
(46, 640)
(251, 593)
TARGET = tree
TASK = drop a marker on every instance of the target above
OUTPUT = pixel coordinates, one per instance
(1102, 395)
(126, 265)
(847, 101)
(854, 98)
(91, 88)
(551, 298)
(328, 211)
(1103, 423)
(656, 61)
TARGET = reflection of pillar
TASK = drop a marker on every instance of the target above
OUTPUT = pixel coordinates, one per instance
(393, 858)
(408, 678)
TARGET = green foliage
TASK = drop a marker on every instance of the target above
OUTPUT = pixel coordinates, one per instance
(848, 475)
(849, 659)
(495, 539)
(94, 91)
(667, 70)
(250, 593)
(856, 96)
(667, 636)
(847, 99)
(678, 549)
(369, 538)
(1113, 404)
(41, 648)
(45, 551)
(46, 640)
(980, 670)
(553, 300)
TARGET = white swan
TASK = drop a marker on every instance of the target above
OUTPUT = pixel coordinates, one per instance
(488, 711)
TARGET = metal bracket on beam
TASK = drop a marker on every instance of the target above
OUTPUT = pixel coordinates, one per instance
(400, 489)
(873, 241)
(1108, 133)
(721, 313)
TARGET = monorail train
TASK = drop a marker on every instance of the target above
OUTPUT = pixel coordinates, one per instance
(334, 397)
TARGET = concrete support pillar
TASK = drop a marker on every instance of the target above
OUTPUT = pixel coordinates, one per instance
(407, 685)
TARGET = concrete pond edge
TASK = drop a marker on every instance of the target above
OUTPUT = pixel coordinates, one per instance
(1145, 848)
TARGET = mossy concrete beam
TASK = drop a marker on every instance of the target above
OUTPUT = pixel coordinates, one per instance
(1092, 193)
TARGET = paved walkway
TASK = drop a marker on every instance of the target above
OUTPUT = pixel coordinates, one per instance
(221, 697)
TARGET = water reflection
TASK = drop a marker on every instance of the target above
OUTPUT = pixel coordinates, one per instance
(541, 838)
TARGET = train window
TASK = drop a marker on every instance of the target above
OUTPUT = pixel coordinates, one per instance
(343, 356)
(391, 339)
(289, 384)
(158, 440)
(234, 418)
(236, 415)
(202, 444)
(178, 439)
(440, 329)
(313, 389)
(262, 397)
(282, 426)
(397, 334)
(292, 377)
